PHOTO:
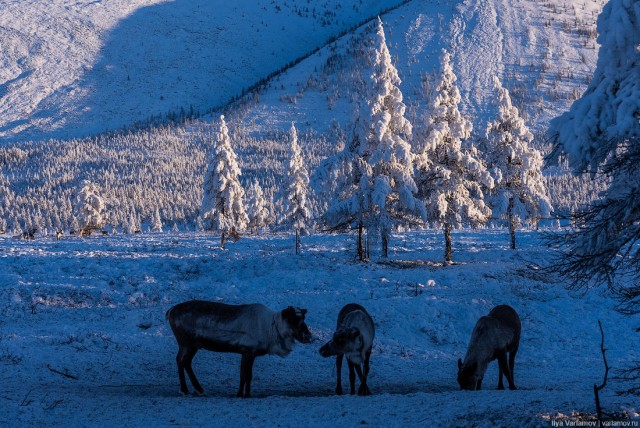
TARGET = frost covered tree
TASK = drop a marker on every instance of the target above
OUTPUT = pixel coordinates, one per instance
(89, 208)
(450, 177)
(257, 210)
(519, 191)
(156, 221)
(297, 211)
(383, 189)
(223, 201)
(600, 134)
(345, 177)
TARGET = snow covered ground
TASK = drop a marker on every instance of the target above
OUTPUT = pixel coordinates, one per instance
(94, 309)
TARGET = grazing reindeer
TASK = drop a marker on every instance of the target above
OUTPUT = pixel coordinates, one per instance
(354, 338)
(29, 234)
(250, 330)
(59, 234)
(493, 336)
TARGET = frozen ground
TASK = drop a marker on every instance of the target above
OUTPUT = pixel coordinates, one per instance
(93, 309)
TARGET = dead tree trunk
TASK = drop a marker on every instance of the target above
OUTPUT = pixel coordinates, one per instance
(222, 239)
(297, 242)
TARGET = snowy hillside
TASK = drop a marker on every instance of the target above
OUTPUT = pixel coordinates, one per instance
(94, 309)
(543, 52)
(73, 69)
(79, 68)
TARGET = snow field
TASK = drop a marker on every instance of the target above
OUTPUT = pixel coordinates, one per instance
(95, 309)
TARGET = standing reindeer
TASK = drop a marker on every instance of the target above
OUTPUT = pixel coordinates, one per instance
(353, 338)
(493, 337)
(250, 330)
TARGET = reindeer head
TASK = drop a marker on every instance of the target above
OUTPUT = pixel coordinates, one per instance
(294, 317)
(345, 340)
(468, 376)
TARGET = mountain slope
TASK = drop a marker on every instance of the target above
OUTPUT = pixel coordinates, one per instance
(69, 69)
(544, 52)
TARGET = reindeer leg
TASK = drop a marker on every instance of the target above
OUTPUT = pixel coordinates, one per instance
(363, 389)
(188, 358)
(366, 370)
(339, 373)
(352, 377)
(366, 363)
(503, 369)
(248, 376)
(182, 351)
(512, 360)
(243, 364)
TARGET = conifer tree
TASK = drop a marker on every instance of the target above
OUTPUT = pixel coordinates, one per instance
(297, 211)
(450, 177)
(223, 201)
(520, 192)
(156, 221)
(382, 186)
(89, 208)
(256, 207)
(600, 134)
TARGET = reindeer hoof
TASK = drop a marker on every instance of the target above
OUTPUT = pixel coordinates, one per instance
(500, 387)
(338, 392)
(363, 390)
(184, 392)
(512, 387)
(199, 394)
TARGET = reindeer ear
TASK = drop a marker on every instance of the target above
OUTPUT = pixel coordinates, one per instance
(459, 364)
(303, 312)
(289, 313)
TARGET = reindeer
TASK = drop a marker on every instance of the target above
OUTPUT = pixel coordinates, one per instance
(59, 234)
(493, 336)
(250, 330)
(29, 234)
(354, 338)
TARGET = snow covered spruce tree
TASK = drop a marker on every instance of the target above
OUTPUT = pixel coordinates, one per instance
(257, 210)
(223, 200)
(519, 191)
(600, 135)
(450, 178)
(383, 194)
(156, 221)
(89, 209)
(345, 177)
(297, 212)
